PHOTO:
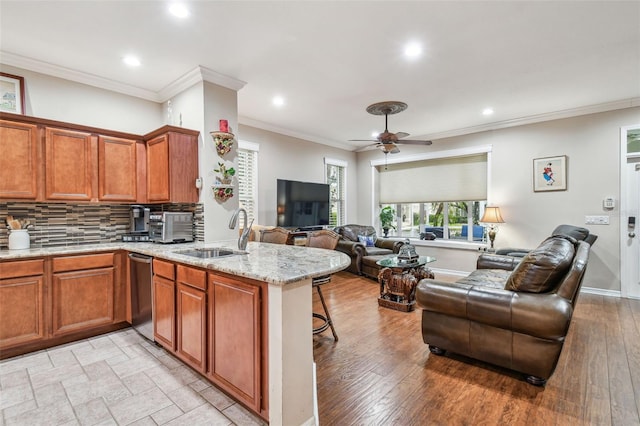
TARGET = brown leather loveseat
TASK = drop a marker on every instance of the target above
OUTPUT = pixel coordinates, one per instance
(512, 312)
(359, 241)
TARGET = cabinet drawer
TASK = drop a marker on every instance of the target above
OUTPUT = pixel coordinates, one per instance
(164, 269)
(192, 277)
(75, 263)
(21, 268)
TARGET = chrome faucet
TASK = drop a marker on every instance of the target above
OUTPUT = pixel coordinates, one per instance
(246, 230)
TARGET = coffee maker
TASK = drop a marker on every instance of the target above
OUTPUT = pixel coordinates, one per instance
(138, 224)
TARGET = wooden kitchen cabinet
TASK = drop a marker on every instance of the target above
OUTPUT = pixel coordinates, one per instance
(172, 165)
(22, 306)
(164, 304)
(237, 339)
(117, 169)
(191, 316)
(19, 165)
(69, 165)
(83, 293)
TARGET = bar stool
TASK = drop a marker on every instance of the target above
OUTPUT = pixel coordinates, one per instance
(274, 235)
(328, 240)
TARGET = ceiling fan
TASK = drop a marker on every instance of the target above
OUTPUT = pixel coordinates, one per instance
(387, 141)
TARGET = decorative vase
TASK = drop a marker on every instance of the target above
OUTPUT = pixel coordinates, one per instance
(19, 239)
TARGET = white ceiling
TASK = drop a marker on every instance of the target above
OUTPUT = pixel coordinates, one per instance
(330, 59)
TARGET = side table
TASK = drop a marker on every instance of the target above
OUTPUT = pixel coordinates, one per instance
(398, 281)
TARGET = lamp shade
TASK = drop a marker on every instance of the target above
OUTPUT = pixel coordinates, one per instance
(492, 215)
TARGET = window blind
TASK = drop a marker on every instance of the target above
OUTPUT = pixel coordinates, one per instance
(247, 181)
(434, 180)
(336, 178)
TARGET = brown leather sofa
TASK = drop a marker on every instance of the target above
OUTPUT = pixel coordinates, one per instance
(512, 312)
(350, 244)
(577, 232)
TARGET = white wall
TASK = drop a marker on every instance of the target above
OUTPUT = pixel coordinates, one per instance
(591, 143)
(63, 100)
(285, 157)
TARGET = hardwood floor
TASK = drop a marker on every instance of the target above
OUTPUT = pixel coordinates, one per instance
(381, 373)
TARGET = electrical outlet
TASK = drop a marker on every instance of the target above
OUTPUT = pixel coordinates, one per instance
(596, 220)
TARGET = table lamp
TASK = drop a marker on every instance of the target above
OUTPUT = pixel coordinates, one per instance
(492, 216)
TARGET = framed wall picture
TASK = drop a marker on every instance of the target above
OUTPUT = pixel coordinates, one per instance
(550, 174)
(11, 93)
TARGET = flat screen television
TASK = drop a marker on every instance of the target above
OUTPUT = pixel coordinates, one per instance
(302, 204)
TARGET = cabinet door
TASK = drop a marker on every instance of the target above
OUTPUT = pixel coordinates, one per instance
(235, 338)
(183, 166)
(191, 325)
(82, 300)
(19, 160)
(68, 165)
(116, 169)
(164, 311)
(21, 311)
(158, 169)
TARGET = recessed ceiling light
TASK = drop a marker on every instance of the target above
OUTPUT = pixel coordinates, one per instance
(487, 111)
(132, 61)
(375, 134)
(179, 10)
(278, 101)
(412, 50)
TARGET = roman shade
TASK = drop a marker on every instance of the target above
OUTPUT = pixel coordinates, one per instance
(461, 178)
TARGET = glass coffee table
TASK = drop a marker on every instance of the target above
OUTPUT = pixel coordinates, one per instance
(398, 280)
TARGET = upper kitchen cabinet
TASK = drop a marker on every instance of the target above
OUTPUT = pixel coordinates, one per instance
(172, 165)
(19, 169)
(117, 169)
(68, 165)
(47, 160)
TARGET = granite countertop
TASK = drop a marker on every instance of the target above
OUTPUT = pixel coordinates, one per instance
(273, 263)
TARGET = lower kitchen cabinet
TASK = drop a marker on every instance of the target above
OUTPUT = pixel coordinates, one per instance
(22, 307)
(164, 304)
(237, 351)
(191, 301)
(53, 300)
(83, 289)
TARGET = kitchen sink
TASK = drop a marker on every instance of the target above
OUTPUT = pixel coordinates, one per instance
(206, 253)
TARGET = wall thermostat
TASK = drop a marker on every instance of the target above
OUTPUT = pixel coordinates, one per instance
(609, 203)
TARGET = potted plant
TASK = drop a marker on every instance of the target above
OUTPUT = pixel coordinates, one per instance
(226, 172)
(387, 215)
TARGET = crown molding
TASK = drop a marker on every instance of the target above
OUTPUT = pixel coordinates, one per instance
(287, 132)
(538, 118)
(197, 75)
(77, 76)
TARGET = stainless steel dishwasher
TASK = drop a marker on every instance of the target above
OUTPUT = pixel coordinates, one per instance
(141, 294)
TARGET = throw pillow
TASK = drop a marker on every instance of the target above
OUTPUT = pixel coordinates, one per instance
(542, 268)
(367, 240)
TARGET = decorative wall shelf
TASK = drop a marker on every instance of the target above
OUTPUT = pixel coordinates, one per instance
(224, 142)
(222, 192)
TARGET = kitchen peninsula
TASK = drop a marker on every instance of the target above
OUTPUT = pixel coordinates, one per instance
(276, 278)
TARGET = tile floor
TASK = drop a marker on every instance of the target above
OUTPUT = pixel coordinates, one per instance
(114, 379)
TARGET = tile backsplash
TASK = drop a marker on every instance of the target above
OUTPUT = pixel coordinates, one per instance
(64, 224)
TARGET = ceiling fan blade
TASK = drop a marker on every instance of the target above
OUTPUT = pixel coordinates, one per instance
(402, 135)
(414, 142)
(367, 148)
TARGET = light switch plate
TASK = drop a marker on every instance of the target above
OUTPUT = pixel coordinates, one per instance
(596, 220)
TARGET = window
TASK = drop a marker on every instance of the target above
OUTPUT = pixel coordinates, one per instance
(446, 220)
(440, 193)
(248, 178)
(336, 172)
